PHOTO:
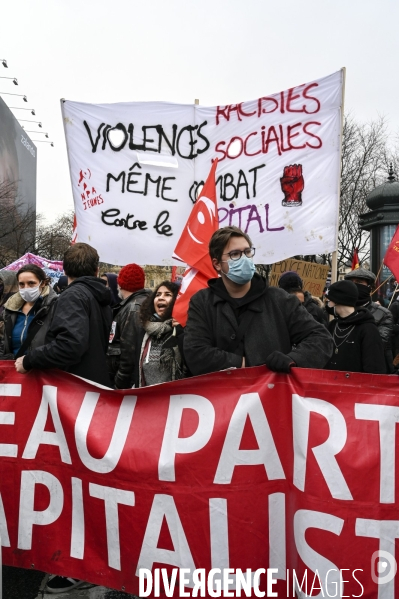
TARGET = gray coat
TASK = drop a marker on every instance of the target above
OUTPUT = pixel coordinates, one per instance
(279, 322)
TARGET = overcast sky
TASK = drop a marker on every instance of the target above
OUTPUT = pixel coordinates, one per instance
(220, 51)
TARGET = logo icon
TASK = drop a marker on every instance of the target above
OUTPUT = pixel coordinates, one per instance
(383, 567)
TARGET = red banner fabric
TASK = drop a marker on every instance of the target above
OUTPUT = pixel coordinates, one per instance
(237, 469)
(355, 260)
(193, 245)
(391, 258)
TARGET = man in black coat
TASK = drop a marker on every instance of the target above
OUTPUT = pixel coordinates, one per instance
(126, 333)
(77, 339)
(238, 321)
(365, 282)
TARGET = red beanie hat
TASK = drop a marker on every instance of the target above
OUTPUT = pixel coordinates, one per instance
(131, 277)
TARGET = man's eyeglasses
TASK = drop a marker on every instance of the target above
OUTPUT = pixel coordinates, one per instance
(236, 254)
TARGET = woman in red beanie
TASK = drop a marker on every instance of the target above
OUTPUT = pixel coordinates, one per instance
(125, 338)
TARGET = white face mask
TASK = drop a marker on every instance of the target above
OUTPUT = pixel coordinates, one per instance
(30, 294)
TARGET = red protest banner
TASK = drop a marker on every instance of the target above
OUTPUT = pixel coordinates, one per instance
(237, 469)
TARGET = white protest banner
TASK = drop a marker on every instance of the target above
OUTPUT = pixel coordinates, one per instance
(137, 168)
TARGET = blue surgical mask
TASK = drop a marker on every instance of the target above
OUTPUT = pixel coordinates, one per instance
(241, 271)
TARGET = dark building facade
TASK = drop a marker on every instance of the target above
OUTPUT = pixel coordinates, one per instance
(382, 221)
(18, 158)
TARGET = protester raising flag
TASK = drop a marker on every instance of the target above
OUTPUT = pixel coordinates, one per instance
(192, 247)
(355, 259)
(391, 258)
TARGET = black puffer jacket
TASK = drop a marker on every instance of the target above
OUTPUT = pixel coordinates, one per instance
(274, 320)
(77, 340)
(43, 311)
(124, 340)
(384, 321)
(362, 350)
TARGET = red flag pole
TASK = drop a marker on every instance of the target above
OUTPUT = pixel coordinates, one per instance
(334, 257)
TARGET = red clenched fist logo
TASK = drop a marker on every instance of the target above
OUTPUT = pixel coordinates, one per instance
(292, 185)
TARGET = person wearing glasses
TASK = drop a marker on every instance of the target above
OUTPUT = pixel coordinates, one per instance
(239, 321)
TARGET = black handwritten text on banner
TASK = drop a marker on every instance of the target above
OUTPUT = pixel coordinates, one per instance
(136, 169)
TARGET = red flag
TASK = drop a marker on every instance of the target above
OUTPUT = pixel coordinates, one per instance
(192, 247)
(391, 258)
(355, 260)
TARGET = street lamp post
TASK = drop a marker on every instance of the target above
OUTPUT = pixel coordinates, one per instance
(43, 141)
(29, 121)
(14, 80)
(31, 131)
(25, 99)
(32, 110)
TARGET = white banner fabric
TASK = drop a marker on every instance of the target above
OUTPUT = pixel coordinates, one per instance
(137, 167)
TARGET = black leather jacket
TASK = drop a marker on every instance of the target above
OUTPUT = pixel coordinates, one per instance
(124, 340)
(384, 322)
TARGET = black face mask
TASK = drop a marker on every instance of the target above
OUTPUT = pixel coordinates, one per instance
(330, 310)
(364, 294)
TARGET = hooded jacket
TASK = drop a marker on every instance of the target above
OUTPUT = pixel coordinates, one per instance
(8, 286)
(270, 320)
(77, 340)
(362, 350)
(43, 311)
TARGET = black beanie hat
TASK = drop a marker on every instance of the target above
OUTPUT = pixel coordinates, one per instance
(343, 293)
(290, 280)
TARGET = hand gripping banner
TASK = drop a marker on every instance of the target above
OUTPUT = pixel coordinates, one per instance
(137, 168)
(243, 469)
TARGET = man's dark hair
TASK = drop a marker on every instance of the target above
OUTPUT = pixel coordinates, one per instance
(147, 307)
(221, 238)
(81, 260)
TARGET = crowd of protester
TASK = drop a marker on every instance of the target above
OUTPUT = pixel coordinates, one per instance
(110, 329)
